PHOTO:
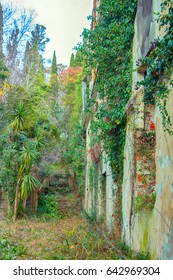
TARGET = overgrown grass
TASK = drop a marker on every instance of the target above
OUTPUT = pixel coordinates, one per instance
(68, 238)
(55, 233)
(65, 239)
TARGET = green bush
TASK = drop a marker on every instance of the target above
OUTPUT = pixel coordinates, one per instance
(48, 207)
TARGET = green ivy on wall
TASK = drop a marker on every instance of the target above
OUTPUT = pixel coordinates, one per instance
(159, 67)
(108, 50)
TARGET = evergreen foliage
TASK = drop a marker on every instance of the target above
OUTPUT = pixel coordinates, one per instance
(27, 121)
(54, 68)
(75, 153)
(54, 83)
(72, 60)
(4, 72)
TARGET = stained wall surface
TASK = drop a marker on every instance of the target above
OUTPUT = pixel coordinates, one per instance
(148, 230)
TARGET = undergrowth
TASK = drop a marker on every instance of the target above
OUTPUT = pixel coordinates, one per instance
(48, 207)
(65, 239)
(10, 250)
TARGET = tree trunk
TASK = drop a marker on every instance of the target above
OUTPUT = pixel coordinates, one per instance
(16, 203)
(34, 201)
(17, 196)
(24, 203)
(8, 205)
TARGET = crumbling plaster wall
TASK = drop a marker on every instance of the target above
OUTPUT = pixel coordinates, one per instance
(164, 185)
(103, 198)
(148, 230)
(88, 195)
(100, 198)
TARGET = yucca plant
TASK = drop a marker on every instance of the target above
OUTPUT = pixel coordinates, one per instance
(28, 155)
(28, 183)
(25, 182)
(18, 118)
(39, 139)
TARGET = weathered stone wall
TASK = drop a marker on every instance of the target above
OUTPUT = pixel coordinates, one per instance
(100, 189)
(148, 161)
(146, 30)
(164, 186)
(148, 229)
(128, 180)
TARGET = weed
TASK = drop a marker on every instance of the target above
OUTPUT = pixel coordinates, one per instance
(144, 202)
(142, 256)
(89, 218)
(9, 250)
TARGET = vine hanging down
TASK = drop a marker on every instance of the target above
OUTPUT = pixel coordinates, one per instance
(158, 81)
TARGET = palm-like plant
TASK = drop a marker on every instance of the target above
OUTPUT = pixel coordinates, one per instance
(28, 183)
(18, 118)
(28, 150)
(39, 139)
(28, 155)
(25, 182)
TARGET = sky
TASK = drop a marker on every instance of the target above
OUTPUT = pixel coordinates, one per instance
(64, 20)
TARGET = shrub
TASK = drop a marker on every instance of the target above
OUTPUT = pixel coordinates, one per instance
(48, 207)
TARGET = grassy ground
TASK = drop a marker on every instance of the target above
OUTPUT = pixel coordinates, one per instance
(69, 238)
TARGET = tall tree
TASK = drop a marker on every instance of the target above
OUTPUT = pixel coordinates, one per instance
(54, 68)
(17, 26)
(77, 59)
(33, 59)
(72, 60)
(33, 64)
(54, 84)
(12, 47)
(74, 144)
(39, 37)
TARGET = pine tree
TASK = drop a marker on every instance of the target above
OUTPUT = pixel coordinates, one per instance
(54, 68)
(33, 60)
(54, 84)
(78, 59)
(72, 60)
(39, 37)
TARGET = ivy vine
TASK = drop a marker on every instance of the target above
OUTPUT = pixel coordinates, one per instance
(108, 50)
(159, 67)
